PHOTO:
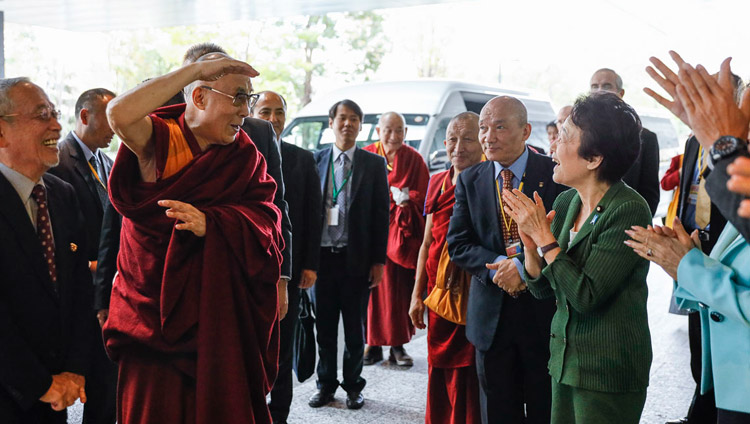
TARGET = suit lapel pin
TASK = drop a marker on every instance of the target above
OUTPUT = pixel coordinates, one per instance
(593, 220)
(541, 184)
(73, 247)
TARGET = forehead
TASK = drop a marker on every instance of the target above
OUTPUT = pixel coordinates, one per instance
(497, 110)
(270, 100)
(603, 77)
(233, 83)
(463, 126)
(342, 110)
(392, 120)
(28, 96)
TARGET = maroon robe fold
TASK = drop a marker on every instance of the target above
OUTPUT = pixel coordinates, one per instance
(453, 388)
(388, 322)
(200, 312)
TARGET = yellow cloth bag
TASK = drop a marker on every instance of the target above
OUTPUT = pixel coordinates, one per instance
(450, 295)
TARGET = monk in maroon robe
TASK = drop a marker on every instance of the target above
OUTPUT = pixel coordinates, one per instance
(388, 322)
(453, 389)
(193, 314)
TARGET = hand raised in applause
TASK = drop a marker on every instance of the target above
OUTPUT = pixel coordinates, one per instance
(530, 216)
(663, 247)
(668, 80)
(710, 104)
(739, 182)
(191, 218)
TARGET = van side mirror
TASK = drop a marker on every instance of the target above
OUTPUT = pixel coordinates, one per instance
(438, 160)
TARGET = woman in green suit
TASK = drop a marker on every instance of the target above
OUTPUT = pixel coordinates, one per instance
(600, 346)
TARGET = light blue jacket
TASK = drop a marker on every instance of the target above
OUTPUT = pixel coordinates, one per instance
(718, 286)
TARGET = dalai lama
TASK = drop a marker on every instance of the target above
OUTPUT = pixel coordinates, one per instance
(193, 314)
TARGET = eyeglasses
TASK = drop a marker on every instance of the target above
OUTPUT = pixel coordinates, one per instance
(43, 115)
(239, 99)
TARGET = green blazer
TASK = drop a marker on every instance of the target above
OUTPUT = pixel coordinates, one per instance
(599, 336)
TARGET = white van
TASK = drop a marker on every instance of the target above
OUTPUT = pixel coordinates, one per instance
(427, 105)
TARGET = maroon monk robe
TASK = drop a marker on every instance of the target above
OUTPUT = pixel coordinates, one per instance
(453, 388)
(388, 322)
(193, 320)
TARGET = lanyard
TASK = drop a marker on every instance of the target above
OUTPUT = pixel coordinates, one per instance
(506, 222)
(337, 190)
(701, 165)
(93, 171)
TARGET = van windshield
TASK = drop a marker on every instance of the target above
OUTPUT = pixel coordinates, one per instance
(313, 133)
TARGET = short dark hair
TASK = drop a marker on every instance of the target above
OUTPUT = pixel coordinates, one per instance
(610, 128)
(87, 97)
(348, 103)
(551, 124)
(201, 49)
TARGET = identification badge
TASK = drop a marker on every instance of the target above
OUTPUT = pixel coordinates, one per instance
(333, 216)
(513, 250)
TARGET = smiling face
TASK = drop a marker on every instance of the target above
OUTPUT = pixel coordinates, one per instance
(392, 131)
(462, 143)
(271, 108)
(346, 125)
(503, 129)
(28, 143)
(220, 119)
(571, 169)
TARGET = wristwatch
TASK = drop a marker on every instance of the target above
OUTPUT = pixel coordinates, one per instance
(544, 249)
(727, 146)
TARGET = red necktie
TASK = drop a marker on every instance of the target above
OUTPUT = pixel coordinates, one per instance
(44, 230)
(510, 229)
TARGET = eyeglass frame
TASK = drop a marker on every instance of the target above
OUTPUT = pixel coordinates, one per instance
(53, 113)
(252, 98)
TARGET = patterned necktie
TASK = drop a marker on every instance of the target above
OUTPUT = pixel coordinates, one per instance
(510, 229)
(341, 170)
(44, 230)
(100, 181)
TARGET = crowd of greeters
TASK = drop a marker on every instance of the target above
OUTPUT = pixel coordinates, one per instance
(166, 286)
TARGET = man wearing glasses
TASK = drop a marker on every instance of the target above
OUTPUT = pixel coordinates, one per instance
(45, 283)
(193, 314)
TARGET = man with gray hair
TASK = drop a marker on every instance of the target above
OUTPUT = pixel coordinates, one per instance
(508, 326)
(46, 319)
(643, 176)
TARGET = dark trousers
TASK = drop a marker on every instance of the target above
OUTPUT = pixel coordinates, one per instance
(101, 385)
(703, 407)
(281, 394)
(338, 293)
(513, 372)
(733, 417)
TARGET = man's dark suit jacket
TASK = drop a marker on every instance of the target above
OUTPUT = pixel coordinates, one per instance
(475, 238)
(74, 169)
(304, 199)
(368, 213)
(262, 134)
(643, 176)
(43, 330)
(717, 220)
(726, 201)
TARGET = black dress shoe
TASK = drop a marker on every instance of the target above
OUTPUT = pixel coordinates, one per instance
(678, 421)
(373, 354)
(355, 400)
(321, 398)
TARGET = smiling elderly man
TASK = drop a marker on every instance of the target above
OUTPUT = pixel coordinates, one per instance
(193, 314)
(45, 284)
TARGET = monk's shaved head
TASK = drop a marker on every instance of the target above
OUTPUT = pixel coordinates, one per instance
(511, 106)
(388, 115)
